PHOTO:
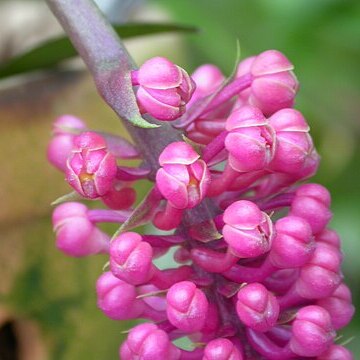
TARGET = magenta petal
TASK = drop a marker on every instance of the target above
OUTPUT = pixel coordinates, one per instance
(289, 120)
(247, 153)
(157, 109)
(172, 189)
(169, 97)
(178, 153)
(244, 117)
(270, 62)
(243, 214)
(159, 73)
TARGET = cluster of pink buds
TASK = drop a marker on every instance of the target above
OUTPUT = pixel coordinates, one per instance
(257, 270)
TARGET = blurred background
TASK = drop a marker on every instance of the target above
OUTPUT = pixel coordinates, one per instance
(47, 301)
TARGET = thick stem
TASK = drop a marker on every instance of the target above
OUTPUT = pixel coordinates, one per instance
(91, 34)
(151, 142)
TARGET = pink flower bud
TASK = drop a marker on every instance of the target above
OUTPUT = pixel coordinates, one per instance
(247, 230)
(207, 78)
(320, 276)
(336, 352)
(183, 179)
(339, 306)
(256, 307)
(91, 168)
(120, 196)
(330, 237)
(250, 141)
(187, 306)
(274, 85)
(312, 203)
(208, 124)
(131, 258)
(221, 349)
(117, 299)
(164, 88)
(148, 342)
(312, 332)
(62, 143)
(293, 244)
(295, 153)
(75, 234)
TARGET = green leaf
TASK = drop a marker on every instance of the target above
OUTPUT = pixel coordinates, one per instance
(73, 196)
(52, 52)
(143, 213)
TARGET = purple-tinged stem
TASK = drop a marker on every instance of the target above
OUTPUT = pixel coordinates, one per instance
(240, 274)
(163, 279)
(127, 173)
(219, 221)
(280, 334)
(230, 90)
(119, 147)
(163, 241)
(282, 280)
(246, 180)
(168, 219)
(213, 261)
(262, 344)
(229, 320)
(291, 298)
(211, 102)
(214, 147)
(222, 183)
(112, 216)
(280, 201)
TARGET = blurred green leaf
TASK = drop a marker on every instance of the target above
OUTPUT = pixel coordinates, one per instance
(50, 53)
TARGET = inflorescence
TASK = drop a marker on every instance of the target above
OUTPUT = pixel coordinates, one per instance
(258, 277)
